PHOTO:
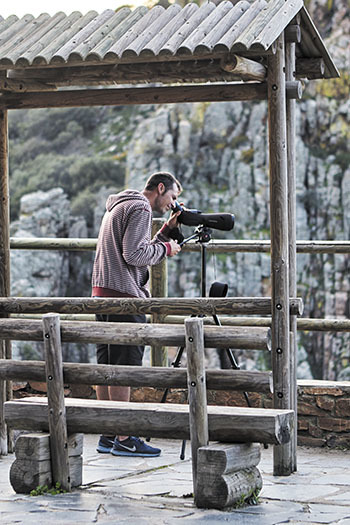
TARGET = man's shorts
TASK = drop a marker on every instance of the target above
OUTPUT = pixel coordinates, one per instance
(120, 354)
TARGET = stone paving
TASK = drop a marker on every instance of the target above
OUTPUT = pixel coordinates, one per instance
(158, 491)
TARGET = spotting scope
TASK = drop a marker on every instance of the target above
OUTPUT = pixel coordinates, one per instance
(217, 221)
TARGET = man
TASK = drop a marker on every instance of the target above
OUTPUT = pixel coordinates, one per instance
(124, 252)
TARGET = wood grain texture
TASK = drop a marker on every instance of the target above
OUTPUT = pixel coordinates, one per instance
(141, 95)
(197, 392)
(157, 377)
(223, 458)
(254, 338)
(215, 246)
(228, 424)
(56, 405)
(279, 244)
(173, 305)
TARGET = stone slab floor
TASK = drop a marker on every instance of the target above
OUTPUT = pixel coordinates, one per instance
(140, 491)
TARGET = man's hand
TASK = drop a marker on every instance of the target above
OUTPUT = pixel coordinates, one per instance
(172, 221)
(175, 248)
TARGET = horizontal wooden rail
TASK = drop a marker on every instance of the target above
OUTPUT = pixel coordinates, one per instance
(306, 323)
(139, 334)
(138, 376)
(303, 324)
(229, 424)
(173, 305)
(144, 95)
(215, 246)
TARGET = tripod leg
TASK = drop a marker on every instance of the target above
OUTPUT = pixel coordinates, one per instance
(183, 448)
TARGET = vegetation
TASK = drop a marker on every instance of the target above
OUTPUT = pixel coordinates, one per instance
(41, 490)
(79, 149)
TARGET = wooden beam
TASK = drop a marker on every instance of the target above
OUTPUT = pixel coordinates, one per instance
(292, 33)
(159, 288)
(24, 86)
(138, 376)
(165, 72)
(279, 243)
(164, 420)
(55, 397)
(310, 68)
(245, 68)
(173, 305)
(197, 390)
(142, 95)
(215, 246)
(5, 348)
(170, 335)
(292, 249)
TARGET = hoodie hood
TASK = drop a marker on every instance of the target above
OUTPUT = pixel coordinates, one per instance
(123, 196)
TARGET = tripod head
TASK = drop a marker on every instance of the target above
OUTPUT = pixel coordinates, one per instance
(202, 233)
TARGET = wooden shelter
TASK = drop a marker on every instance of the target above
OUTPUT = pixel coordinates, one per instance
(246, 50)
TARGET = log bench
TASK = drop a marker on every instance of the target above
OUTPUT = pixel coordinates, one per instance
(198, 422)
(161, 420)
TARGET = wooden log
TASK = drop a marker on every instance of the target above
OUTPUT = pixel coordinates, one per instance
(292, 250)
(173, 305)
(157, 377)
(32, 467)
(197, 391)
(170, 335)
(215, 246)
(310, 68)
(305, 323)
(270, 31)
(166, 72)
(279, 244)
(36, 446)
(27, 474)
(229, 424)
(223, 491)
(24, 86)
(208, 24)
(227, 474)
(292, 34)
(127, 96)
(247, 69)
(159, 288)
(5, 348)
(322, 325)
(223, 458)
(231, 27)
(55, 393)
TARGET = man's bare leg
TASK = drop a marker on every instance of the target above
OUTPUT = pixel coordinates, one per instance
(113, 393)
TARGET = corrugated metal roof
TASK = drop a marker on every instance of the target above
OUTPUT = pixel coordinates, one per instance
(149, 34)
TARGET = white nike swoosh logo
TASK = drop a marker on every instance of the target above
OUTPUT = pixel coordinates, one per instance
(130, 449)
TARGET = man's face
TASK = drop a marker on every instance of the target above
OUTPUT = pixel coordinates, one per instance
(165, 199)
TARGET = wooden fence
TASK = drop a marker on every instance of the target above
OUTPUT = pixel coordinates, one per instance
(198, 422)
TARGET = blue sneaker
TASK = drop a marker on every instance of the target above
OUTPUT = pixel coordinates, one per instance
(133, 446)
(105, 445)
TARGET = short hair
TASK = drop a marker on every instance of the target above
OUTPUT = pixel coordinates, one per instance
(166, 178)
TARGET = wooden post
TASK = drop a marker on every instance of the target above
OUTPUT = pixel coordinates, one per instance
(159, 288)
(56, 406)
(197, 393)
(279, 244)
(5, 346)
(290, 112)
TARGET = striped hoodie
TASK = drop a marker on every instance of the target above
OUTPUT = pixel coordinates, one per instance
(124, 246)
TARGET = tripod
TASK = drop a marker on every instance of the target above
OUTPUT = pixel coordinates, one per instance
(217, 289)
